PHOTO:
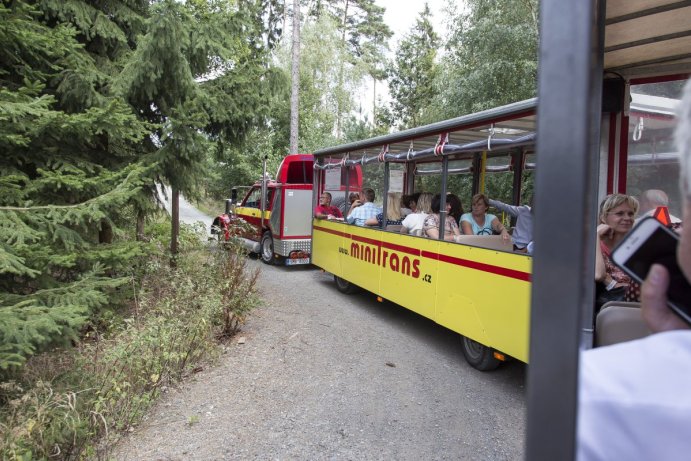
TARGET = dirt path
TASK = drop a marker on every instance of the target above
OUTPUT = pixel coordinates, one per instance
(322, 375)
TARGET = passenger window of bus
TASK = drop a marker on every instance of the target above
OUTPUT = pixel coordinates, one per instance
(653, 163)
(499, 183)
(252, 200)
(460, 181)
(373, 177)
(528, 177)
(269, 199)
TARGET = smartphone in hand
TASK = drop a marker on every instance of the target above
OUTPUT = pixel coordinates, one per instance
(648, 243)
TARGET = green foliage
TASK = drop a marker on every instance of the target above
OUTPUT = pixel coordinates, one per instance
(412, 74)
(69, 168)
(98, 100)
(77, 403)
(364, 39)
(491, 57)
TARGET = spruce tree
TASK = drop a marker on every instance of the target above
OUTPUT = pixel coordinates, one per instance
(68, 166)
(411, 78)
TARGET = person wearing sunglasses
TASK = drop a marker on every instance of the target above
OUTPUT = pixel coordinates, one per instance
(617, 213)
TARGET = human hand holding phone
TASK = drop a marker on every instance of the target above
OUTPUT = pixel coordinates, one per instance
(654, 301)
(649, 253)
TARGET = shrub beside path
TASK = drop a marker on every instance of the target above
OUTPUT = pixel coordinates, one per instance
(316, 374)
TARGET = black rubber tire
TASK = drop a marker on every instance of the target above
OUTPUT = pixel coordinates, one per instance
(345, 286)
(479, 356)
(266, 249)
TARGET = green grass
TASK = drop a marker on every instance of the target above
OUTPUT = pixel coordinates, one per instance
(74, 403)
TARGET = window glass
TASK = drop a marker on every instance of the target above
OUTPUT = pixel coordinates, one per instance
(653, 162)
(253, 198)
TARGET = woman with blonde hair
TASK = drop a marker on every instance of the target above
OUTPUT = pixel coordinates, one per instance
(617, 214)
(394, 217)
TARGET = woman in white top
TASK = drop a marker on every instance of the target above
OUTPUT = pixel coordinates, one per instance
(479, 222)
(412, 224)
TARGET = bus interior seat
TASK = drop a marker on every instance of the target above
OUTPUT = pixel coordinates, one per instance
(393, 228)
(618, 322)
(492, 242)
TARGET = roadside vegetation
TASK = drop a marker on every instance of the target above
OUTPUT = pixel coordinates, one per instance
(160, 326)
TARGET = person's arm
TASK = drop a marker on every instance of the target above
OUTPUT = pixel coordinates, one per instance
(600, 269)
(466, 228)
(319, 214)
(372, 222)
(499, 228)
(430, 227)
(432, 232)
(510, 209)
(353, 206)
(336, 212)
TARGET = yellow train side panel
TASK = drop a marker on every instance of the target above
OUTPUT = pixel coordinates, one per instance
(479, 293)
(485, 295)
(252, 212)
(326, 242)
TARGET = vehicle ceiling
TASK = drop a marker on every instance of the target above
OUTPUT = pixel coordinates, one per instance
(644, 38)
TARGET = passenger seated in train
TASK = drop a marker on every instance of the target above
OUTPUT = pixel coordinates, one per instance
(650, 200)
(325, 210)
(363, 208)
(352, 197)
(393, 212)
(522, 234)
(456, 210)
(617, 213)
(409, 203)
(430, 226)
(479, 222)
(412, 224)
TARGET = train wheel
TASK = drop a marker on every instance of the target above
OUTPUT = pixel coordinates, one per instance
(267, 249)
(479, 356)
(344, 286)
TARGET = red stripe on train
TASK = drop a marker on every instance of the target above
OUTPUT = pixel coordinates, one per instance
(498, 270)
(331, 231)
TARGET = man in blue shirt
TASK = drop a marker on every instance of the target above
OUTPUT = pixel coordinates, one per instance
(363, 209)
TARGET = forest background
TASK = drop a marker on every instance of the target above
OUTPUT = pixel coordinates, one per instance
(103, 101)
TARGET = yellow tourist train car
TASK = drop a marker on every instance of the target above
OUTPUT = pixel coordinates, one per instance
(476, 286)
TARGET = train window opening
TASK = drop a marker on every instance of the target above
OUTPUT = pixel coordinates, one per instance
(373, 177)
(652, 161)
(253, 200)
(499, 180)
(528, 178)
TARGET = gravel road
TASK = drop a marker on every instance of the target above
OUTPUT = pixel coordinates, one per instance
(322, 375)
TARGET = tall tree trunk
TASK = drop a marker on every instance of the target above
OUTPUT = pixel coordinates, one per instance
(339, 91)
(105, 232)
(141, 219)
(295, 80)
(175, 225)
(374, 100)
